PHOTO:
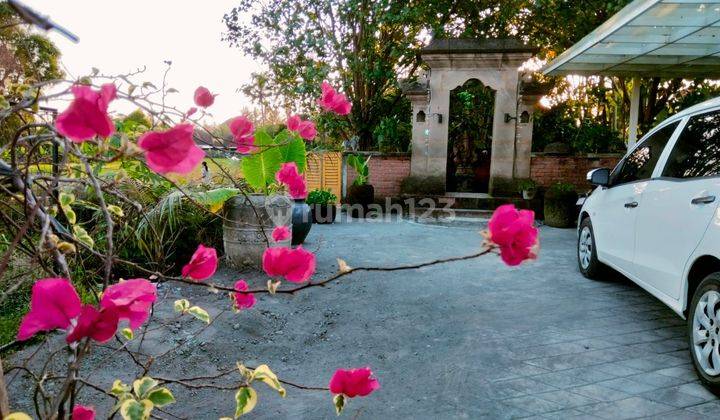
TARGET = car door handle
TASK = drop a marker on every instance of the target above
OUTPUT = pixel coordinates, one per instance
(631, 205)
(703, 200)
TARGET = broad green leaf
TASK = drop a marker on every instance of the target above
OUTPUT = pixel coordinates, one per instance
(133, 410)
(161, 397)
(263, 374)
(245, 400)
(119, 388)
(116, 210)
(66, 199)
(292, 149)
(181, 305)
(127, 333)
(214, 199)
(70, 214)
(143, 385)
(18, 416)
(339, 401)
(199, 313)
(259, 168)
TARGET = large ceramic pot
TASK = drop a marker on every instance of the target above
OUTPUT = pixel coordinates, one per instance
(323, 213)
(359, 198)
(301, 221)
(248, 224)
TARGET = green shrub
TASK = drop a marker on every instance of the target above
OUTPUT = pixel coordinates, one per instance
(321, 196)
(423, 185)
(525, 185)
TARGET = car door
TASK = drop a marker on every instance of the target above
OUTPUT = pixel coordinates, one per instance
(615, 212)
(679, 204)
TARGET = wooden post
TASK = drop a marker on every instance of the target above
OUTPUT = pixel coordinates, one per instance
(634, 113)
(4, 400)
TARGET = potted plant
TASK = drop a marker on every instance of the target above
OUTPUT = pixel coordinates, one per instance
(360, 194)
(323, 206)
(559, 205)
(527, 187)
(249, 219)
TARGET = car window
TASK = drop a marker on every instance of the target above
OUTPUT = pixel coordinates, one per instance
(639, 164)
(697, 150)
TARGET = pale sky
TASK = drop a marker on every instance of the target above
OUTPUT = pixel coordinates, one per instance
(119, 36)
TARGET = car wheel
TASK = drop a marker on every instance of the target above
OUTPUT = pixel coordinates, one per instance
(704, 331)
(588, 262)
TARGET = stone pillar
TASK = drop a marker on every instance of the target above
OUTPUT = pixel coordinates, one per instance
(524, 135)
(503, 144)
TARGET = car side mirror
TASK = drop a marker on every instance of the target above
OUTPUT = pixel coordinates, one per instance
(600, 176)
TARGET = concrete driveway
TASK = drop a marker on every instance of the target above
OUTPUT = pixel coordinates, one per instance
(471, 339)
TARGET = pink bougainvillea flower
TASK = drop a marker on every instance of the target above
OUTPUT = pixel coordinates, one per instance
(514, 232)
(130, 299)
(280, 233)
(289, 176)
(332, 101)
(190, 112)
(203, 97)
(353, 382)
(202, 265)
(80, 412)
(87, 117)
(173, 150)
(242, 300)
(295, 265)
(306, 129)
(243, 131)
(53, 304)
(98, 325)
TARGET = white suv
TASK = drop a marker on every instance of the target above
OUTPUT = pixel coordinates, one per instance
(655, 219)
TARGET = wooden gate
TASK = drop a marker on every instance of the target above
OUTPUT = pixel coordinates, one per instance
(324, 170)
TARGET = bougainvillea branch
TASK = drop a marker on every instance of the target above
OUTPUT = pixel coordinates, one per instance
(41, 219)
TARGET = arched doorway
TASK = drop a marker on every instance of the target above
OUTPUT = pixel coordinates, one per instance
(470, 129)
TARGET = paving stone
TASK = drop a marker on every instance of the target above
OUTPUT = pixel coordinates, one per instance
(628, 408)
(534, 404)
(696, 389)
(600, 393)
(657, 380)
(569, 414)
(618, 370)
(566, 398)
(560, 379)
(686, 373)
(627, 385)
(672, 396)
(707, 409)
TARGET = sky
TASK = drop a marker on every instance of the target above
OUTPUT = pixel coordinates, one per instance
(120, 36)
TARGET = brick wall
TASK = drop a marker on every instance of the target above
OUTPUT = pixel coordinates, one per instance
(548, 169)
(386, 173)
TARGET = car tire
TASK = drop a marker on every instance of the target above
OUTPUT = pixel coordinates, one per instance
(588, 262)
(704, 331)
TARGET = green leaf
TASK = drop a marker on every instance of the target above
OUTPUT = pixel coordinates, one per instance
(181, 305)
(116, 210)
(263, 374)
(199, 313)
(127, 333)
(70, 215)
(161, 397)
(259, 168)
(339, 401)
(119, 388)
(292, 149)
(214, 199)
(82, 236)
(133, 410)
(66, 199)
(245, 400)
(143, 385)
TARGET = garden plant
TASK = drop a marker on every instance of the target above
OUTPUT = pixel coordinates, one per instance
(76, 210)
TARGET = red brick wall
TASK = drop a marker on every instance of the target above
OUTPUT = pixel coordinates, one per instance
(547, 170)
(386, 173)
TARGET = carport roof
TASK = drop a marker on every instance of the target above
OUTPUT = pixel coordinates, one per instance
(666, 38)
